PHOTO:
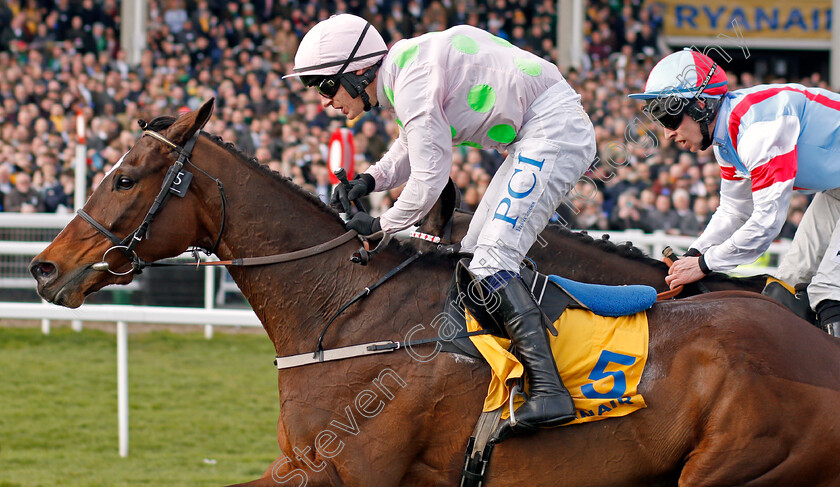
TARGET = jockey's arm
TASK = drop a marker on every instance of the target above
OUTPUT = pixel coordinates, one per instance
(428, 145)
(393, 168)
(735, 208)
(768, 150)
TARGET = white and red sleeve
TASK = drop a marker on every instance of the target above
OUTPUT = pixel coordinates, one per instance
(734, 210)
(768, 150)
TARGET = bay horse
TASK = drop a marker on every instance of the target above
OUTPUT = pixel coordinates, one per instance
(739, 390)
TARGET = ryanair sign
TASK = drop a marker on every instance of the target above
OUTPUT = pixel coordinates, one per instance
(756, 23)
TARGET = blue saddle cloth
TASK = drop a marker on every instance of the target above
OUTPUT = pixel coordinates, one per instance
(609, 300)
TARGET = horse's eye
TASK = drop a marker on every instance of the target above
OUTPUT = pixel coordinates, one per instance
(124, 182)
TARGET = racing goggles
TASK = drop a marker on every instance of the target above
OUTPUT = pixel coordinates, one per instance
(326, 86)
(668, 111)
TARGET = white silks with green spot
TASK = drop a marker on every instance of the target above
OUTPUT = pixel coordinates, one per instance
(466, 87)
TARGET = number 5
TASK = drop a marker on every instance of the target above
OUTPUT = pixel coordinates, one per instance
(600, 372)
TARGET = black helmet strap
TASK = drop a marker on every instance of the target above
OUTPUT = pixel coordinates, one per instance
(355, 84)
(703, 116)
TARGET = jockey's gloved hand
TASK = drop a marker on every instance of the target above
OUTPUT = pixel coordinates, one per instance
(342, 195)
(364, 224)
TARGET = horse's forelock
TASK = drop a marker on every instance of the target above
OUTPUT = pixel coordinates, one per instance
(159, 124)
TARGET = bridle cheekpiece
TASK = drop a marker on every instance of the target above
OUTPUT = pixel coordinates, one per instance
(175, 182)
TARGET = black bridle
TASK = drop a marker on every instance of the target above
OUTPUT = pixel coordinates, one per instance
(176, 182)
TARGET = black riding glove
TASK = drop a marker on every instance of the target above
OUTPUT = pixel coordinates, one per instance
(364, 224)
(342, 195)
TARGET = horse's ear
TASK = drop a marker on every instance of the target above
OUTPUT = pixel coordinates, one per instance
(204, 112)
(186, 126)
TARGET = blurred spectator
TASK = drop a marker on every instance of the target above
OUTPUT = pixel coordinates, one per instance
(626, 214)
(5, 179)
(52, 191)
(661, 217)
(23, 197)
(686, 223)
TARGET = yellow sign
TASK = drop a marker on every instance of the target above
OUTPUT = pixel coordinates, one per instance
(750, 19)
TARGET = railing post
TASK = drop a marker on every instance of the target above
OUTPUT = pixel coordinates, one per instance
(209, 284)
(122, 386)
(658, 244)
(45, 323)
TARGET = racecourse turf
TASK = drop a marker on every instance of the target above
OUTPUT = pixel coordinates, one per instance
(201, 412)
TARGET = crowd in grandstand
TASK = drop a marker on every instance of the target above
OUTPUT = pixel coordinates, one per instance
(62, 58)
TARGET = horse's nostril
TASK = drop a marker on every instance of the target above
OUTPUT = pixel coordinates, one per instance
(43, 269)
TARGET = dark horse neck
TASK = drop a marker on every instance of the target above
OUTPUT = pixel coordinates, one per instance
(293, 299)
(578, 256)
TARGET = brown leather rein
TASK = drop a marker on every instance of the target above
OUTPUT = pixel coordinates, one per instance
(671, 293)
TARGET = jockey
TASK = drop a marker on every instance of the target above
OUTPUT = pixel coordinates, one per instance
(769, 141)
(464, 86)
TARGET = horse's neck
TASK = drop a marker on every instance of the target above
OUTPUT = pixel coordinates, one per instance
(572, 256)
(266, 216)
(568, 255)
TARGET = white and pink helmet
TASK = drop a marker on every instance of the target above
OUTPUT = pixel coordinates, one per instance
(685, 74)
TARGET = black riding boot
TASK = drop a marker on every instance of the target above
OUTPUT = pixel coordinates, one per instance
(828, 311)
(549, 402)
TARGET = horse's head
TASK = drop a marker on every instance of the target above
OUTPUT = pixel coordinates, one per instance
(118, 225)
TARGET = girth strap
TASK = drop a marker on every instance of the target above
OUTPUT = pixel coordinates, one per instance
(479, 450)
(352, 351)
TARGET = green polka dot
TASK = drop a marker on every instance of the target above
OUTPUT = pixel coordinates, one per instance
(464, 44)
(498, 40)
(481, 98)
(452, 129)
(503, 133)
(390, 94)
(406, 55)
(528, 66)
(470, 144)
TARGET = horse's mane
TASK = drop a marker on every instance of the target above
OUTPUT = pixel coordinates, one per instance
(629, 251)
(623, 249)
(163, 122)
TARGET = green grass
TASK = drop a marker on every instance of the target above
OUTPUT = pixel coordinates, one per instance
(190, 399)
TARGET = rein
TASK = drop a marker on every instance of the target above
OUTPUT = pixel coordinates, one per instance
(173, 183)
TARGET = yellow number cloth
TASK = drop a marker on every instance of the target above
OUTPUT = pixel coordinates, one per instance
(593, 354)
